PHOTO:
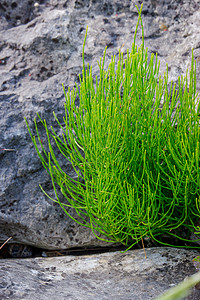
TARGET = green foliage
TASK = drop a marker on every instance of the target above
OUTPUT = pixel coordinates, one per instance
(133, 142)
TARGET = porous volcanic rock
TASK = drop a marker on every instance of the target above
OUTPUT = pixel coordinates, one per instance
(40, 48)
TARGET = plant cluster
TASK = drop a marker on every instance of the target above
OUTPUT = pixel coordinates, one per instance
(133, 142)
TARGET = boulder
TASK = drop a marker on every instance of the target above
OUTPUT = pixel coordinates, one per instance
(41, 46)
(108, 276)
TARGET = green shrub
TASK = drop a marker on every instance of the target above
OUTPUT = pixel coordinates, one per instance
(133, 142)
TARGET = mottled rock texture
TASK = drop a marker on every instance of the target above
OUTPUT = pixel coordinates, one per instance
(108, 276)
(40, 48)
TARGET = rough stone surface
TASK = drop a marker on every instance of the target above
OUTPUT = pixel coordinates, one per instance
(41, 48)
(108, 276)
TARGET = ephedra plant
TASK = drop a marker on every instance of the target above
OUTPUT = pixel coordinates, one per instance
(133, 142)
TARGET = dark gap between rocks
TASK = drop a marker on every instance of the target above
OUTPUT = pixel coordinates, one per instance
(15, 250)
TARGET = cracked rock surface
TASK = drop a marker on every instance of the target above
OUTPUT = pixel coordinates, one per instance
(40, 48)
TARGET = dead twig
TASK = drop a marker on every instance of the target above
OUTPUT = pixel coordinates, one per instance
(7, 149)
(5, 242)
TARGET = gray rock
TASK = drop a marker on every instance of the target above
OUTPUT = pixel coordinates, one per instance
(108, 276)
(40, 52)
(16, 12)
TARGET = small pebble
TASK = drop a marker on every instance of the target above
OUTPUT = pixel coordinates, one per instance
(36, 4)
